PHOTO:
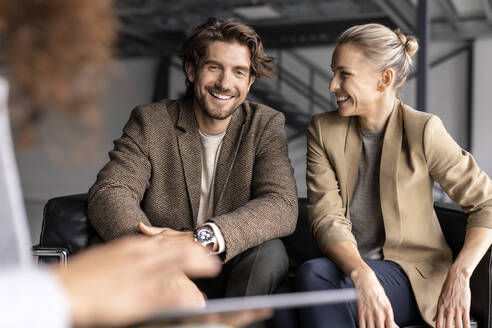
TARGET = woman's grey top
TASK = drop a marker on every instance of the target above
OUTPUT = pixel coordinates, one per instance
(365, 205)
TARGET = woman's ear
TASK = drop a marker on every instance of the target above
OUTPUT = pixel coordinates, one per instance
(190, 71)
(386, 79)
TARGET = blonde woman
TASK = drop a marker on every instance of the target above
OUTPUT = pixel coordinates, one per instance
(371, 166)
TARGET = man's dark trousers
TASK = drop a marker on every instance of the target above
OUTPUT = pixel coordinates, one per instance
(259, 270)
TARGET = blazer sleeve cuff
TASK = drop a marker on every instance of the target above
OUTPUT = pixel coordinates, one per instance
(219, 237)
(327, 237)
(479, 222)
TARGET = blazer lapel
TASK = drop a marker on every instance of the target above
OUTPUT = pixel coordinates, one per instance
(228, 152)
(353, 150)
(189, 149)
(388, 172)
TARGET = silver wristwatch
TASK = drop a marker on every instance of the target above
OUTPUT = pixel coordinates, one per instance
(205, 236)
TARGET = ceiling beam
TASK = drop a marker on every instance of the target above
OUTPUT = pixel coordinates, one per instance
(450, 12)
(157, 44)
(311, 33)
(401, 12)
(468, 29)
(452, 35)
(487, 7)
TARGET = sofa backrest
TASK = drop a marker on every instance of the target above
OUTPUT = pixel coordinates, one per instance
(65, 224)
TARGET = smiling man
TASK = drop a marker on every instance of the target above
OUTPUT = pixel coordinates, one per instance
(210, 166)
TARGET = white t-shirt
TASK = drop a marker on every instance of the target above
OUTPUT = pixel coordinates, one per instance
(210, 150)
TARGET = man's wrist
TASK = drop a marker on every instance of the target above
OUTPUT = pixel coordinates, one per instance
(206, 237)
(220, 248)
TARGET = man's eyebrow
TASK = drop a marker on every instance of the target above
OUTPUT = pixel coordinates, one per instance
(211, 61)
(239, 67)
(242, 67)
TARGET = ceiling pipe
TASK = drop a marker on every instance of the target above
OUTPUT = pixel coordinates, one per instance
(487, 8)
(400, 12)
(450, 11)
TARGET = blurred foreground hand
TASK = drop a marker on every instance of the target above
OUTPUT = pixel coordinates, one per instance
(217, 320)
(127, 280)
(234, 319)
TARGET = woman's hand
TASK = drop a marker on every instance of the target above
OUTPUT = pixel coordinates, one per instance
(453, 306)
(373, 306)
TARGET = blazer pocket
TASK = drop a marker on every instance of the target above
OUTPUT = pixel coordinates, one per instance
(421, 272)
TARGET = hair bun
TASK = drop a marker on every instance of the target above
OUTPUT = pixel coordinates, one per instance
(408, 42)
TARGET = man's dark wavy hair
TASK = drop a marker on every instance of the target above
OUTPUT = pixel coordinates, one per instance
(229, 30)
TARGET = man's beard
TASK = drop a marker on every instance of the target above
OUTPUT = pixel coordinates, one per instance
(216, 114)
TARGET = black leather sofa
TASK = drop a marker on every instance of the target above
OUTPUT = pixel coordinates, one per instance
(66, 231)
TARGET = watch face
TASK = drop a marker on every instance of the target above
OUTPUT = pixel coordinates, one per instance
(204, 235)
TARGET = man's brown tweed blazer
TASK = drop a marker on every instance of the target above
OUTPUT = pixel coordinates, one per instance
(154, 176)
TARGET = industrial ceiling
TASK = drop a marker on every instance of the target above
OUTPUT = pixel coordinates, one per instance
(157, 27)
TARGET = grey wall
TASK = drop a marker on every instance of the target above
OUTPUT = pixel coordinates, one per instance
(447, 94)
(482, 105)
(67, 158)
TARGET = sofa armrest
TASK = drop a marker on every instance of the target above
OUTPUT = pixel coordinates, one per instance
(481, 290)
(46, 254)
(65, 224)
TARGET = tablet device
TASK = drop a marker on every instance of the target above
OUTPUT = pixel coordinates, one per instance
(277, 301)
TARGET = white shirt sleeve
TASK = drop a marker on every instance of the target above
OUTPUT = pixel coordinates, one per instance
(29, 297)
(218, 236)
(33, 298)
(14, 235)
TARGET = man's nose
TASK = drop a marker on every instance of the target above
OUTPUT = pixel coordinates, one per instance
(225, 80)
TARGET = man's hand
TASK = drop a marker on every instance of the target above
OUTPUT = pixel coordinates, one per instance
(164, 232)
(453, 306)
(373, 306)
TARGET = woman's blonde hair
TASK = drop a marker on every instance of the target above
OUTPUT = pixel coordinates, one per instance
(383, 47)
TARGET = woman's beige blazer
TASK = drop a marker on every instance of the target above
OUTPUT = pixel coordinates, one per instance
(417, 151)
